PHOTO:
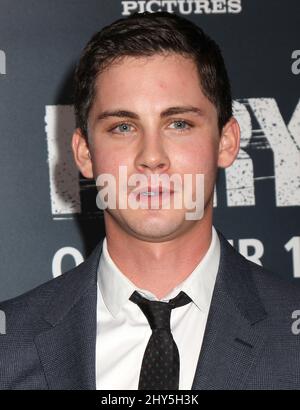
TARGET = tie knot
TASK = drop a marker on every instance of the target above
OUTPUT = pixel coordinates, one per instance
(158, 313)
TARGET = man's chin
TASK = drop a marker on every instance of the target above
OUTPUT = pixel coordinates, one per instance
(154, 226)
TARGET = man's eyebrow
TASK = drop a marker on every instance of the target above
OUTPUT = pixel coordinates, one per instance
(181, 110)
(117, 113)
(166, 113)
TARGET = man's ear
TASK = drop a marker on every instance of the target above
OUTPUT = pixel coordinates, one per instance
(229, 144)
(82, 154)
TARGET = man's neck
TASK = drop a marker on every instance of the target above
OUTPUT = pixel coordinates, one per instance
(159, 266)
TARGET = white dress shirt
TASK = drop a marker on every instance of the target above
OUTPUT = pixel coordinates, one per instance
(123, 330)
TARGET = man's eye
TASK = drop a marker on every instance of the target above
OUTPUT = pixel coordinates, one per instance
(180, 125)
(122, 128)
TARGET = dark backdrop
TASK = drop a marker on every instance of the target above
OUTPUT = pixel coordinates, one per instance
(48, 218)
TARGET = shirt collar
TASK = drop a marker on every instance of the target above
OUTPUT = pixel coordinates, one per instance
(116, 288)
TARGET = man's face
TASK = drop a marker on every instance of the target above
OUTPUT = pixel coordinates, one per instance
(157, 121)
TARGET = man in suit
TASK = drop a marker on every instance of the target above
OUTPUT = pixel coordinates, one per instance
(152, 95)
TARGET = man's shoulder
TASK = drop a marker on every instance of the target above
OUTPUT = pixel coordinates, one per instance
(29, 306)
(60, 292)
(39, 314)
(277, 291)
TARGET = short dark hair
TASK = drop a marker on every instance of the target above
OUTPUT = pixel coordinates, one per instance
(146, 34)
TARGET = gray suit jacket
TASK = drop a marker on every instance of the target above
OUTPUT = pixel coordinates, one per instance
(248, 342)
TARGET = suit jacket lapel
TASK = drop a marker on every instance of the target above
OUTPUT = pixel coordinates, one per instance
(67, 345)
(233, 337)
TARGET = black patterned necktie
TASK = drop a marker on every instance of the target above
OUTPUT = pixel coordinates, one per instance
(160, 366)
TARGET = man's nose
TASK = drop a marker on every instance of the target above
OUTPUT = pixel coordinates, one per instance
(152, 156)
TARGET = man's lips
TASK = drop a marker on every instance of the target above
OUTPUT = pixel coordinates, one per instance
(149, 191)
